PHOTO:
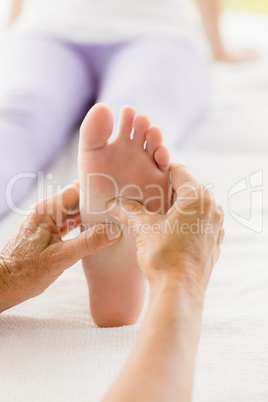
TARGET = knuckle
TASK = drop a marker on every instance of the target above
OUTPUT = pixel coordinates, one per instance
(34, 218)
(220, 212)
(39, 210)
(209, 197)
(38, 217)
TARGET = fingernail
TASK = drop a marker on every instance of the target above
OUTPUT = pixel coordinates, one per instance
(113, 205)
(113, 232)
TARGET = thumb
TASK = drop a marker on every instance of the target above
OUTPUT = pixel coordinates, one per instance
(97, 238)
(126, 211)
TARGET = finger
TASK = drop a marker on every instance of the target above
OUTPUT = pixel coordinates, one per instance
(180, 175)
(128, 212)
(69, 224)
(64, 203)
(218, 219)
(217, 250)
(221, 236)
(220, 213)
(67, 200)
(216, 256)
(93, 240)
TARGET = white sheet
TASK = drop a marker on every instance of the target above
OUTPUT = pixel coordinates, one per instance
(50, 348)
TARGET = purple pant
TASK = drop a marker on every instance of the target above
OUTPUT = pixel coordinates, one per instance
(47, 86)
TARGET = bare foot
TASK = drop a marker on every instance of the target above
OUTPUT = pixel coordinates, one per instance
(134, 165)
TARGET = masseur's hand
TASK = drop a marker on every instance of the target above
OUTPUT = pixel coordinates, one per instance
(185, 243)
(242, 56)
(36, 255)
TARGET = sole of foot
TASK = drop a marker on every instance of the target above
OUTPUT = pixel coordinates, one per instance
(135, 165)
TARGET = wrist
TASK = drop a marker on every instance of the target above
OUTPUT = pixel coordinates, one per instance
(178, 288)
(4, 286)
(6, 293)
(219, 53)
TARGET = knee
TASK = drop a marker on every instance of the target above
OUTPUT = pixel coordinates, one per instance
(20, 109)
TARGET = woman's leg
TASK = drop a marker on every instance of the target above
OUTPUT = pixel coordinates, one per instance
(45, 87)
(166, 78)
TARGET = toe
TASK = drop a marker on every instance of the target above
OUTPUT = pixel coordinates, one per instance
(154, 140)
(141, 126)
(96, 128)
(126, 121)
(161, 157)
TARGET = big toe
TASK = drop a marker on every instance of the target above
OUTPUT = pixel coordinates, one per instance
(96, 128)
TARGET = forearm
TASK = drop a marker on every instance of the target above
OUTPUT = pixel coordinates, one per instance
(162, 364)
(210, 12)
(15, 10)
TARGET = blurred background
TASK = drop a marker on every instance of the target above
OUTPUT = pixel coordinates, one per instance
(249, 6)
(257, 6)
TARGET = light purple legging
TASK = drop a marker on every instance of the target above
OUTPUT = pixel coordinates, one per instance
(47, 86)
